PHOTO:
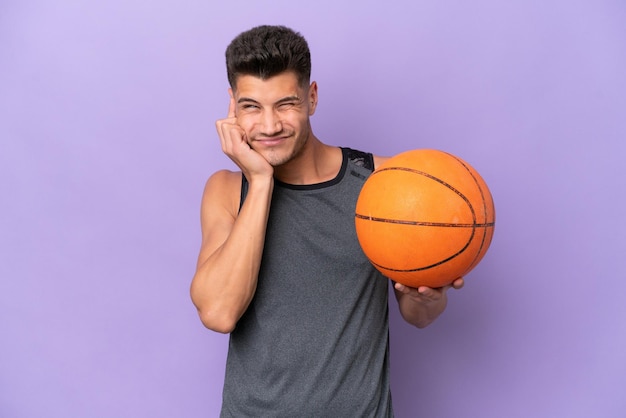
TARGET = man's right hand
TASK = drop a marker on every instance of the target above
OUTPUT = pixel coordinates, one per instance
(235, 144)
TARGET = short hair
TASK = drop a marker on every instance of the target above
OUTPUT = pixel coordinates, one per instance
(266, 51)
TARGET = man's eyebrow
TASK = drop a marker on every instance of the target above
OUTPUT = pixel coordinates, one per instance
(280, 101)
(246, 99)
(289, 99)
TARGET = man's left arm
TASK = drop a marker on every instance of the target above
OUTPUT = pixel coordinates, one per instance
(421, 306)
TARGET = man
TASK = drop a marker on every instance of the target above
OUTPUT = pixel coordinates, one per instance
(280, 267)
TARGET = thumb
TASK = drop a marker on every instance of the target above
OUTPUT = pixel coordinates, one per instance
(231, 106)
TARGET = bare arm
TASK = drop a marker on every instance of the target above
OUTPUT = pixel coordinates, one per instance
(232, 239)
(232, 246)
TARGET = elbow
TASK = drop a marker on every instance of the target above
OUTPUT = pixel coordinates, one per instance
(216, 312)
(213, 316)
(217, 321)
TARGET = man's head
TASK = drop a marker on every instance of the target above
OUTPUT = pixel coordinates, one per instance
(269, 70)
(266, 51)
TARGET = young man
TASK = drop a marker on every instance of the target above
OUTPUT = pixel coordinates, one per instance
(280, 267)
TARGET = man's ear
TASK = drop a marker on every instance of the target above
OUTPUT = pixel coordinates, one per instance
(312, 98)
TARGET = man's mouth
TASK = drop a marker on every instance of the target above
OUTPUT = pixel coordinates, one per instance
(271, 141)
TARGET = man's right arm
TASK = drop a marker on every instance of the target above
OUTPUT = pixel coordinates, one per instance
(232, 246)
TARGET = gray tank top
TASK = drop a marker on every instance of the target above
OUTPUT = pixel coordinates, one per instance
(314, 340)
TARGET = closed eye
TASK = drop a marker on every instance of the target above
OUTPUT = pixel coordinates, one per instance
(249, 106)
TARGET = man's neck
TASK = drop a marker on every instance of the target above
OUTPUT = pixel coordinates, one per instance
(316, 163)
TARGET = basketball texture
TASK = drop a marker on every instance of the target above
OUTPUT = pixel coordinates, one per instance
(425, 218)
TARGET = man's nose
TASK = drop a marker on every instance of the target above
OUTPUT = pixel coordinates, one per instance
(271, 123)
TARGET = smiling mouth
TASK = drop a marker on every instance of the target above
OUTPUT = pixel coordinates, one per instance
(272, 140)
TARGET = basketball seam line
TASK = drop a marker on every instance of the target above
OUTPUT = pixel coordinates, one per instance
(420, 223)
(482, 194)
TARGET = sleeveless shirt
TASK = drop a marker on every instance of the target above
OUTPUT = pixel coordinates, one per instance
(314, 341)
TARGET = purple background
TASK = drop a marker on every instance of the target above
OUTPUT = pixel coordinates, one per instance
(107, 135)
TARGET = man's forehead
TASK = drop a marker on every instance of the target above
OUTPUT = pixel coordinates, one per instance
(269, 89)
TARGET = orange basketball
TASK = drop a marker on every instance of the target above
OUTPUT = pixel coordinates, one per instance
(425, 218)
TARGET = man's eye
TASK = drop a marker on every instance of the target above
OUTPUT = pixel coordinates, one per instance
(249, 106)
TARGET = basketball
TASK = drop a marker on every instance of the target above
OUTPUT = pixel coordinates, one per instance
(425, 218)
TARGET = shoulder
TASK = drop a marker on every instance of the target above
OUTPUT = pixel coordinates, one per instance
(378, 160)
(365, 159)
(224, 180)
(223, 188)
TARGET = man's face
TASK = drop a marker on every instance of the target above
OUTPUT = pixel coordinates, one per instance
(274, 114)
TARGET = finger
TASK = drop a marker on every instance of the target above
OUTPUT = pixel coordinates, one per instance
(233, 136)
(407, 290)
(231, 107)
(427, 292)
(226, 132)
(414, 291)
(458, 283)
(400, 287)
